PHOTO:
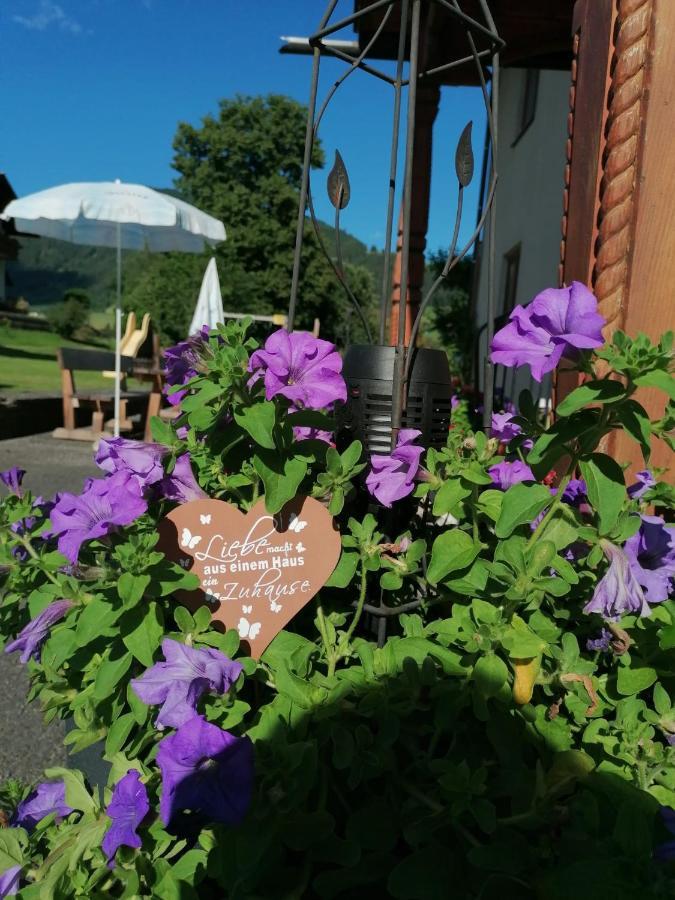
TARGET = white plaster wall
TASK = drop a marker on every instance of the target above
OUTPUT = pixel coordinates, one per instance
(529, 194)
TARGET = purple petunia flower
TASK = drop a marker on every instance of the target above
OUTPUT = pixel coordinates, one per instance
(645, 481)
(205, 770)
(31, 638)
(618, 591)
(104, 503)
(9, 882)
(183, 362)
(651, 554)
(127, 808)
(455, 401)
(181, 485)
(505, 474)
(300, 367)
(179, 682)
(666, 851)
(138, 459)
(557, 323)
(575, 492)
(602, 642)
(392, 477)
(48, 797)
(12, 479)
(503, 427)
(306, 433)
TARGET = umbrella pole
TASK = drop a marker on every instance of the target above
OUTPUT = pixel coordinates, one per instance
(118, 334)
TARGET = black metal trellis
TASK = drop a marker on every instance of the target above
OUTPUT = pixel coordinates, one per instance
(413, 19)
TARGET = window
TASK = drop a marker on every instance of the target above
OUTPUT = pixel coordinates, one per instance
(528, 102)
(511, 264)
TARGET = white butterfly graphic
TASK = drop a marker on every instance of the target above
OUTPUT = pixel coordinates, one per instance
(205, 520)
(211, 598)
(275, 607)
(248, 629)
(184, 562)
(296, 524)
(189, 540)
(247, 609)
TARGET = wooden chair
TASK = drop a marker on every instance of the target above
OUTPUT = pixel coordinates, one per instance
(133, 340)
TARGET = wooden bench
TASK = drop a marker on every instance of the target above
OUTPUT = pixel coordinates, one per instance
(100, 402)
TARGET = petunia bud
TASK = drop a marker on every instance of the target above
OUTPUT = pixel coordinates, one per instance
(525, 672)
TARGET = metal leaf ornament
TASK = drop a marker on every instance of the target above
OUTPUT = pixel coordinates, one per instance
(464, 157)
(339, 190)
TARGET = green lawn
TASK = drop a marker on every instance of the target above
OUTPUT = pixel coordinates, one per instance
(28, 363)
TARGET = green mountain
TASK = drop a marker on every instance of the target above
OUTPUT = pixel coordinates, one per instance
(47, 268)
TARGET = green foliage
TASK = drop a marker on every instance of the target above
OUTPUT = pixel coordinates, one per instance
(478, 748)
(449, 321)
(243, 165)
(72, 314)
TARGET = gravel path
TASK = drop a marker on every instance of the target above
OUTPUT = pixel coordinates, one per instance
(28, 746)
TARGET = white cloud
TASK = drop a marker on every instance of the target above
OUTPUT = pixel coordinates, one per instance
(48, 14)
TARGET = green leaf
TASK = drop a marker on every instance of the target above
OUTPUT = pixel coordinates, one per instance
(147, 630)
(132, 587)
(632, 681)
(452, 551)
(281, 478)
(522, 503)
(109, 675)
(12, 844)
(449, 498)
(77, 794)
(344, 571)
(661, 699)
(490, 674)
(296, 689)
(601, 391)
(550, 445)
(606, 488)
(667, 638)
(184, 620)
(351, 456)
(161, 431)
(560, 530)
(635, 420)
(118, 734)
(490, 504)
(258, 420)
(390, 581)
(95, 621)
(658, 379)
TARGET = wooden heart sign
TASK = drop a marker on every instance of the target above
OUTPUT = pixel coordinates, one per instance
(256, 570)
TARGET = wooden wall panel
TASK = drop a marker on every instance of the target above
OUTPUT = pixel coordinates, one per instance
(646, 48)
(619, 223)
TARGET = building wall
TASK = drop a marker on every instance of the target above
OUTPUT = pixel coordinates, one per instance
(529, 198)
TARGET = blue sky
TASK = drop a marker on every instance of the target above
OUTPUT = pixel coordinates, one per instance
(94, 89)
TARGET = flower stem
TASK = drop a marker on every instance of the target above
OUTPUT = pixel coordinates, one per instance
(341, 651)
(31, 552)
(359, 606)
(557, 500)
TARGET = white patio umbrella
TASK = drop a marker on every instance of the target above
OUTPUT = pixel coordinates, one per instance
(114, 214)
(209, 309)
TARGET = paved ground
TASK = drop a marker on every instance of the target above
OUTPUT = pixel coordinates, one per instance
(51, 465)
(28, 746)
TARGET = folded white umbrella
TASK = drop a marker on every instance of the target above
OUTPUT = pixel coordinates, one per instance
(209, 309)
(113, 214)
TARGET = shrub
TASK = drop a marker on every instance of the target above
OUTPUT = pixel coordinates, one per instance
(72, 314)
(509, 733)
